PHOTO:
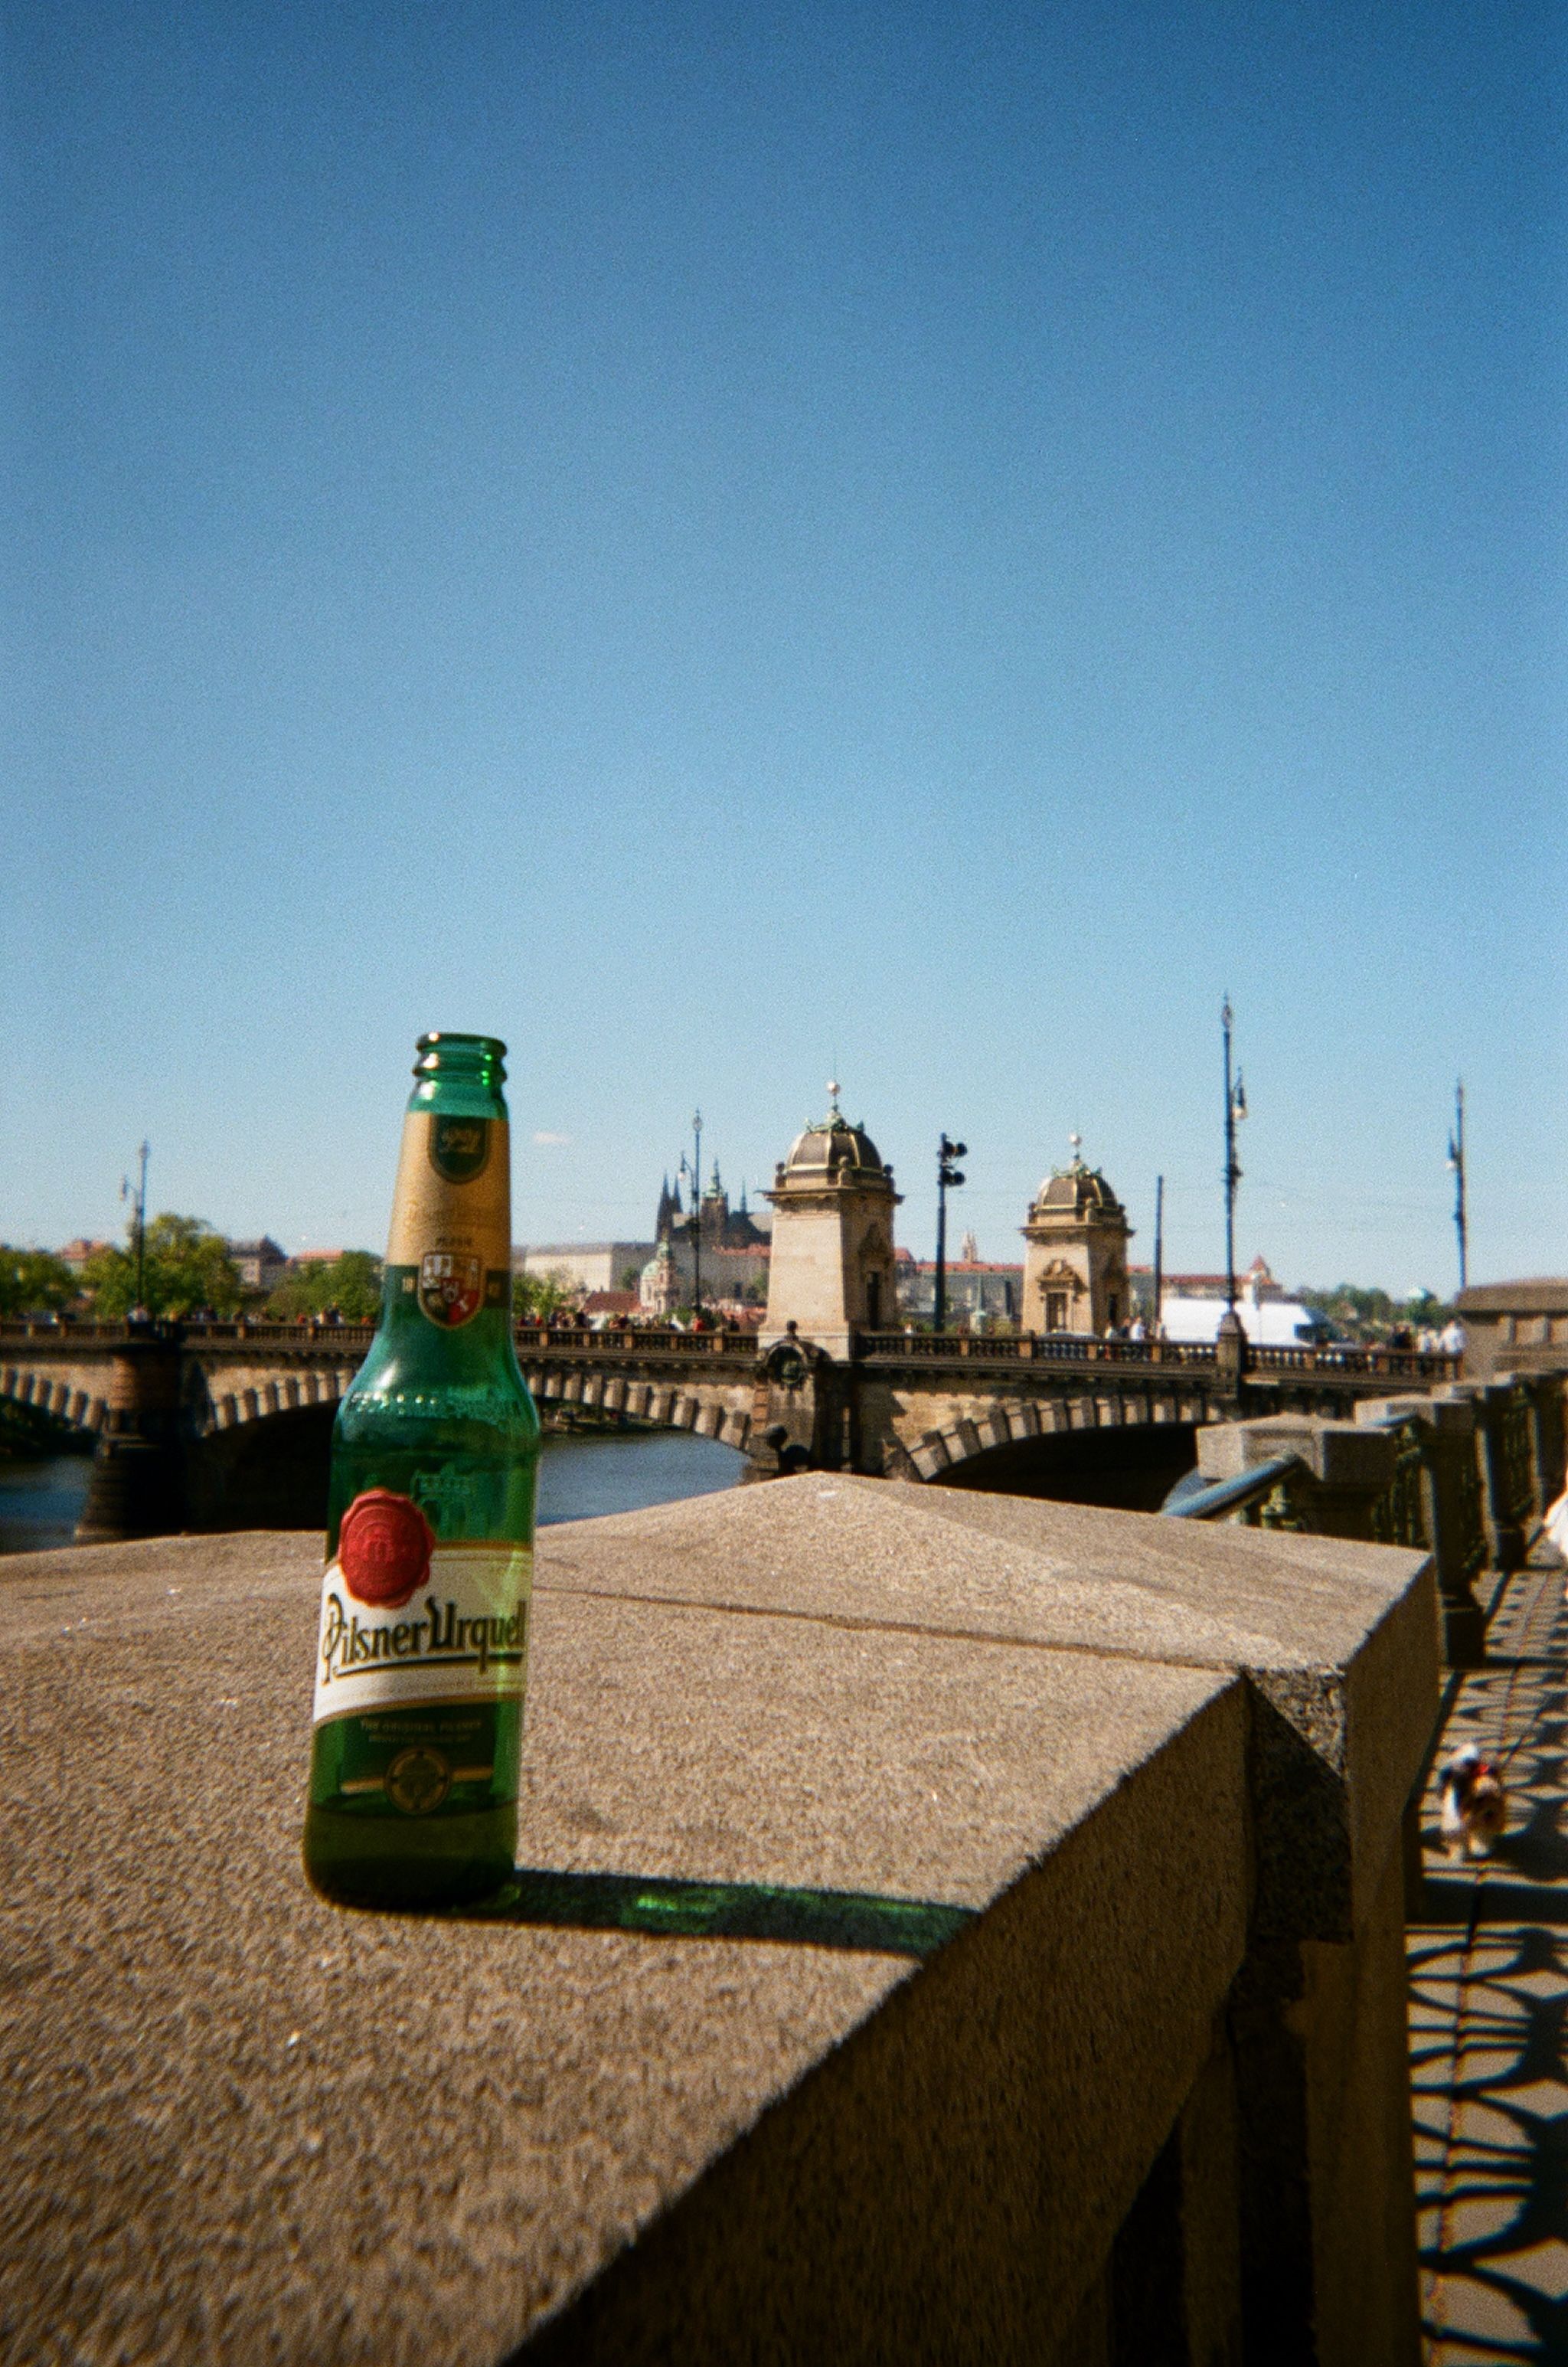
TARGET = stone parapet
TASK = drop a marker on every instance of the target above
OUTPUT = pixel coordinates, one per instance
(1445, 1434)
(1464, 1474)
(1344, 1468)
(1073, 1840)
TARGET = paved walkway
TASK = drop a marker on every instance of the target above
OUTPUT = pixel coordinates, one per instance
(1489, 2013)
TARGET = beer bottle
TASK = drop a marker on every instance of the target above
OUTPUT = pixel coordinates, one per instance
(424, 1642)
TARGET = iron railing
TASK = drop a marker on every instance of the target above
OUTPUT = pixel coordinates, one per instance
(1399, 1514)
(1195, 1499)
(1471, 1516)
(248, 1332)
(609, 1346)
(1078, 1348)
(1516, 1440)
(1029, 1348)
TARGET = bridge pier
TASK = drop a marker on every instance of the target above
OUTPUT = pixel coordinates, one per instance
(806, 1413)
(137, 1489)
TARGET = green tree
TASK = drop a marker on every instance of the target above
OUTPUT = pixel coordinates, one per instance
(33, 1282)
(1369, 1315)
(540, 1294)
(187, 1266)
(351, 1283)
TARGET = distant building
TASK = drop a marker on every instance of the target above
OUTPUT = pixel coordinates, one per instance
(1257, 1285)
(722, 1226)
(658, 1290)
(260, 1263)
(610, 1302)
(584, 1266)
(1279, 1322)
(735, 1246)
(734, 1255)
(76, 1253)
(975, 1286)
(1514, 1326)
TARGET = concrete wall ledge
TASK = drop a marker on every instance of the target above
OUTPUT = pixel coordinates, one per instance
(1338, 1453)
(1451, 1416)
(1164, 1770)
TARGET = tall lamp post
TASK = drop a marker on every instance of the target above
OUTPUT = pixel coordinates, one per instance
(695, 1173)
(139, 1202)
(1455, 1161)
(947, 1178)
(1235, 1107)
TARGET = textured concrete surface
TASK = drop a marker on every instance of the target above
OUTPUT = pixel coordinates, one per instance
(832, 1546)
(246, 2125)
(1489, 2013)
(1340, 1639)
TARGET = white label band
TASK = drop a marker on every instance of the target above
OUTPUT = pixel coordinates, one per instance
(464, 1635)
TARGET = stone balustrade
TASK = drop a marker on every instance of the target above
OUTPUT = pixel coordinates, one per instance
(1464, 1474)
(950, 1926)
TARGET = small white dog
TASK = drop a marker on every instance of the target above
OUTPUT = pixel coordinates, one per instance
(1474, 1803)
(1555, 1524)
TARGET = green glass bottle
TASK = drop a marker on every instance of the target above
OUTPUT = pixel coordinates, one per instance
(423, 1644)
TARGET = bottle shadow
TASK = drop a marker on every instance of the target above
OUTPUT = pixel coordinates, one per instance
(722, 1910)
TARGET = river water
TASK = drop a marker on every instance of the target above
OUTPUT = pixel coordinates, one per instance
(579, 1478)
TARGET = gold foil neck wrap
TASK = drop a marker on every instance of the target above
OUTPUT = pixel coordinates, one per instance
(431, 1212)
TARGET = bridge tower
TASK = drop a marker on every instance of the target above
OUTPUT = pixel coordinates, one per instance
(831, 1270)
(1074, 1269)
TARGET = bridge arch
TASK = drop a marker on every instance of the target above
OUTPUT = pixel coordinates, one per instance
(1130, 1470)
(229, 1398)
(66, 1397)
(709, 1409)
(1119, 1445)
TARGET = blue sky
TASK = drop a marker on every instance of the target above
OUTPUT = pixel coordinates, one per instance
(730, 545)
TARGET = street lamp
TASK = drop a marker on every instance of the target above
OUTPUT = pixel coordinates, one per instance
(947, 1178)
(694, 1174)
(1456, 1162)
(1235, 1107)
(140, 1205)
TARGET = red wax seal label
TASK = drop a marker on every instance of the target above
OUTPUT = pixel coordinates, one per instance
(383, 1548)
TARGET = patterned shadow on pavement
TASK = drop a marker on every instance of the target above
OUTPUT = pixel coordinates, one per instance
(1489, 2014)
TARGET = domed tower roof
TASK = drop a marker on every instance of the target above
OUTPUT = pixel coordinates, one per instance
(833, 1151)
(1079, 1193)
(831, 1144)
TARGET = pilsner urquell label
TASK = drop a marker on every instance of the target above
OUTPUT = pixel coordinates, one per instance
(405, 1622)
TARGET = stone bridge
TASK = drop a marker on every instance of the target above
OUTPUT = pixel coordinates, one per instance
(225, 1425)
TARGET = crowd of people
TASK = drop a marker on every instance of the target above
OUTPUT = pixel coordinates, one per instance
(701, 1318)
